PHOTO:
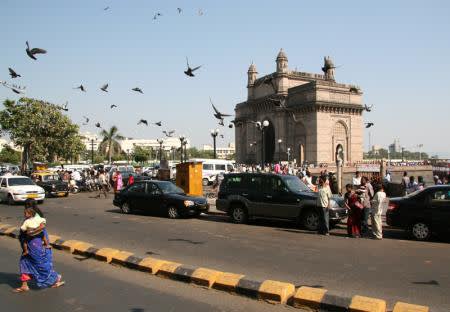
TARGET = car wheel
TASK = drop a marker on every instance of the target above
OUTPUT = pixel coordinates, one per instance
(173, 213)
(125, 208)
(205, 182)
(310, 220)
(420, 231)
(239, 214)
(10, 200)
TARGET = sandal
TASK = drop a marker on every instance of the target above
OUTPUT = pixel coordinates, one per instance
(58, 284)
(20, 290)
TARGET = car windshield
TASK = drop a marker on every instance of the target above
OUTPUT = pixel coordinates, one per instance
(170, 188)
(50, 178)
(294, 184)
(20, 181)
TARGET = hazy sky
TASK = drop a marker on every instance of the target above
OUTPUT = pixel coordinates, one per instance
(397, 51)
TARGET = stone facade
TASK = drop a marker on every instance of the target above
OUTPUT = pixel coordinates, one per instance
(309, 116)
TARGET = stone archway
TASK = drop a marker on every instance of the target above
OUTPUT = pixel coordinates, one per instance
(340, 137)
(269, 143)
(300, 142)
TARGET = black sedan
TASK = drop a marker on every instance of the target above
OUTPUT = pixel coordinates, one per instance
(159, 197)
(422, 213)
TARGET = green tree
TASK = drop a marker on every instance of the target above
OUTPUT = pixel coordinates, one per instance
(40, 128)
(9, 155)
(141, 154)
(194, 152)
(110, 142)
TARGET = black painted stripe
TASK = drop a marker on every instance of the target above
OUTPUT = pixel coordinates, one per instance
(58, 243)
(184, 273)
(249, 288)
(335, 303)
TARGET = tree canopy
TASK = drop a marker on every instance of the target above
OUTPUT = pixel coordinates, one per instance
(110, 143)
(41, 129)
(9, 155)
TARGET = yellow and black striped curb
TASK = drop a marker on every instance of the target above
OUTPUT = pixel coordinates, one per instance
(312, 299)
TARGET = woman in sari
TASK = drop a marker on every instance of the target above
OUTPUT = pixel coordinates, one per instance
(355, 212)
(37, 265)
(118, 183)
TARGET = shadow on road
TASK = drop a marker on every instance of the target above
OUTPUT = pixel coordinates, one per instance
(9, 279)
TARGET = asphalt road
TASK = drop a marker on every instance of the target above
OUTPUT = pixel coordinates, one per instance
(97, 286)
(395, 269)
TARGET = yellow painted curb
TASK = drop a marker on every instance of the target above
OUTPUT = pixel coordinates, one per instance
(205, 277)
(367, 304)
(81, 247)
(3, 225)
(151, 264)
(308, 297)
(227, 281)
(70, 245)
(406, 307)
(120, 257)
(53, 238)
(168, 268)
(106, 254)
(276, 291)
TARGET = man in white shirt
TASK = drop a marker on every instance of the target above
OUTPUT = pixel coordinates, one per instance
(357, 179)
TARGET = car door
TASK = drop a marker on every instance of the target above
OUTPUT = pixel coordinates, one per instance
(136, 196)
(440, 210)
(254, 193)
(154, 198)
(279, 202)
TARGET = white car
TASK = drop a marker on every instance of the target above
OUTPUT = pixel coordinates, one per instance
(18, 189)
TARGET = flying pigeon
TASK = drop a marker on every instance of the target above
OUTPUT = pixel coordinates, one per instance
(230, 126)
(104, 88)
(179, 10)
(65, 107)
(143, 121)
(200, 12)
(221, 123)
(369, 124)
(159, 123)
(368, 108)
(81, 88)
(113, 106)
(137, 90)
(190, 71)
(158, 14)
(32, 52)
(221, 136)
(106, 9)
(169, 134)
(14, 88)
(13, 73)
(98, 125)
(218, 114)
(86, 120)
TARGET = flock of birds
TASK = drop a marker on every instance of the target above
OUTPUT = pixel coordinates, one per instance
(33, 53)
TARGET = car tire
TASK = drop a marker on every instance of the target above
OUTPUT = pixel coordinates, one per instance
(125, 208)
(205, 182)
(310, 220)
(10, 200)
(239, 214)
(420, 231)
(173, 213)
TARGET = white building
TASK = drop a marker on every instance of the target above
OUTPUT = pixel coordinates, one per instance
(91, 141)
(10, 144)
(222, 152)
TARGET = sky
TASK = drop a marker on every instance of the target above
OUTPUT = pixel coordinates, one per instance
(396, 51)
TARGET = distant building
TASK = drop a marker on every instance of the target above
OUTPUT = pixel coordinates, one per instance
(91, 141)
(395, 147)
(376, 149)
(129, 144)
(222, 152)
(4, 142)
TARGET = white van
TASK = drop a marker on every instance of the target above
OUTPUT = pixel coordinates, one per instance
(213, 167)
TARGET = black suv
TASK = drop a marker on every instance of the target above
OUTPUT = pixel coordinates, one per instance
(247, 195)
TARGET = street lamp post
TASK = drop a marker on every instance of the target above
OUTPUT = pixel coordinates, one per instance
(160, 142)
(128, 156)
(182, 138)
(261, 126)
(214, 134)
(185, 149)
(420, 151)
(403, 154)
(279, 150)
(288, 153)
(92, 151)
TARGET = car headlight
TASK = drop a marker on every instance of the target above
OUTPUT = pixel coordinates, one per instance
(188, 203)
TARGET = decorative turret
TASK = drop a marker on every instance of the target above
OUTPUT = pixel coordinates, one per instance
(282, 62)
(251, 73)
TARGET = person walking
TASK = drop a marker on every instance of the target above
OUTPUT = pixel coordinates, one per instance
(357, 179)
(377, 210)
(354, 207)
(368, 194)
(405, 181)
(130, 179)
(118, 182)
(323, 205)
(37, 264)
(103, 184)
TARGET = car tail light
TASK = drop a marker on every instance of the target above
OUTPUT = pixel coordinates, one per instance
(392, 206)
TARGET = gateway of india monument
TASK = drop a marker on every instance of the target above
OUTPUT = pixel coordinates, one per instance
(297, 116)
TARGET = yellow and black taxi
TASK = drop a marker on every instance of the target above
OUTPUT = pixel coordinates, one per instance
(51, 183)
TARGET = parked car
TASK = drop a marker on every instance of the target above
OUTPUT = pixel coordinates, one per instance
(50, 182)
(248, 195)
(159, 197)
(18, 189)
(422, 213)
(213, 167)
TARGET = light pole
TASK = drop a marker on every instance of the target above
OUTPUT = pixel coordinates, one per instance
(173, 148)
(160, 142)
(403, 154)
(92, 150)
(420, 151)
(182, 138)
(185, 149)
(288, 153)
(214, 134)
(128, 156)
(261, 126)
(279, 150)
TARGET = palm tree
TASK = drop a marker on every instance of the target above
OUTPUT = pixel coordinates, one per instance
(110, 142)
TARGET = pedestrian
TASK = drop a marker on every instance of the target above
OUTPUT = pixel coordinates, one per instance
(420, 183)
(367, 194)
(34, 223)
(103, 183)
(387, 177)
(354, 207)
(357, 179)
(118, 182)
(405, 181)
(377, 210)
(412, 185)
(130, 179)
(37, 265)
(323, 205)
